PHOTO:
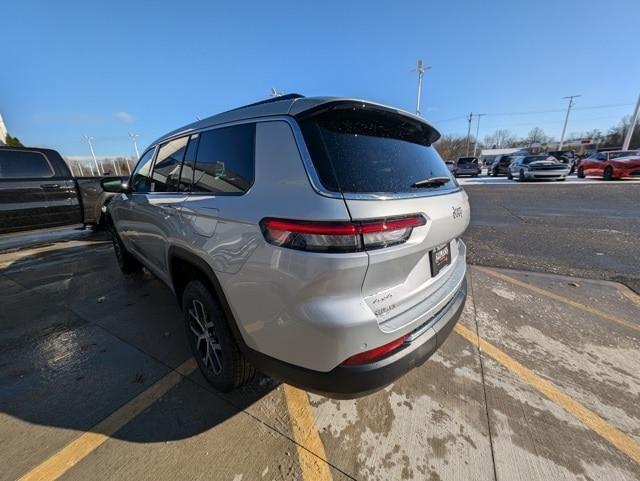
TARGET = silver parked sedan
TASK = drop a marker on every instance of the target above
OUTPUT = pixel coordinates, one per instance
(537, 167)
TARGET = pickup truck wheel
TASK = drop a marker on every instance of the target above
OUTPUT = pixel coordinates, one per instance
(210, 339)
(126, 261)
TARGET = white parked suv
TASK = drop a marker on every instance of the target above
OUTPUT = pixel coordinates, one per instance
(314, 239)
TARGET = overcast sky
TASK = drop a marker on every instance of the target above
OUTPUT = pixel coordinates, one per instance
(103, 69)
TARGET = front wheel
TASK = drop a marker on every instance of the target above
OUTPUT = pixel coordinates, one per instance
(509, 176)
(521, 176)
(210, 339)
(580, 173)
(608, 174)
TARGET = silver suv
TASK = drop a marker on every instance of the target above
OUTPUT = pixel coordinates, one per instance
(315, 239)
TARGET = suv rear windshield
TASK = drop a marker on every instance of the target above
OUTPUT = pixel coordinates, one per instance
(368, 150)
(467, 160)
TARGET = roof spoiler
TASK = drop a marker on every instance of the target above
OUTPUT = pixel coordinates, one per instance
(431, 133)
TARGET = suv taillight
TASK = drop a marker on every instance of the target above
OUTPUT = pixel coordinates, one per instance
(340, 236)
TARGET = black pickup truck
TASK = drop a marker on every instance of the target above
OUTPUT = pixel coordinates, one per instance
(38, 191)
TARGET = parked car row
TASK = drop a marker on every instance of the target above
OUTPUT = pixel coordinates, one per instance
(557, 165)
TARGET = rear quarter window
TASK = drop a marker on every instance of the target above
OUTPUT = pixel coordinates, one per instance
(22, 164)
(224, 162)
(365, 150)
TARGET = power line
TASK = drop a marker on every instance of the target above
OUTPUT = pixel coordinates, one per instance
(533, 112)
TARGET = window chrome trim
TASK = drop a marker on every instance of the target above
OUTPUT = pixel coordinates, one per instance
(307, 162)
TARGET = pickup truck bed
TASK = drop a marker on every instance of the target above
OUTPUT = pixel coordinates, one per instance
(38, 191)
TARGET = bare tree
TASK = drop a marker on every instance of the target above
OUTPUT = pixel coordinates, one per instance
(451, 147)
(500, 139)
(536, 136)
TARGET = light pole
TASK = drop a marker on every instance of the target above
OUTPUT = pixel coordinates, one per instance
(475, 144)
(632, 126)
(421, 69)
(469, 119)
(566, 118)
(88, 140)
(133, 137)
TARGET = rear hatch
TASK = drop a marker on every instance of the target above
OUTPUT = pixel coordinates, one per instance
(383, 163)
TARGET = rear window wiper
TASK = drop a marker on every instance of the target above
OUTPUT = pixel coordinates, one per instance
(431, 182)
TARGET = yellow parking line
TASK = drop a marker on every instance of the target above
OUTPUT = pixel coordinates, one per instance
(310, 449)
(556, 297)
(59, 463)
(594, 422)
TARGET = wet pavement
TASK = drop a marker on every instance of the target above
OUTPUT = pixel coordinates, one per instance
(584, 229)
(540, 381)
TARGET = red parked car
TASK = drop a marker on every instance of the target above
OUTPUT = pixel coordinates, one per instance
(611, 165)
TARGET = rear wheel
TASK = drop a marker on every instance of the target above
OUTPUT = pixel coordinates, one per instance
(608, 173)
(509, 176)
(580, 173)
(126, 261)
(521, 176)
(210, 339)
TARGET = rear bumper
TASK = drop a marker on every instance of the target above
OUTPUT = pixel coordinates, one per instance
(344, 382)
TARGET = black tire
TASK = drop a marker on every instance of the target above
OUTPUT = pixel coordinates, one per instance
(509, 176)
(126, 261)
(608, 173)
(580, 173)
(223, 366)
(521, 177)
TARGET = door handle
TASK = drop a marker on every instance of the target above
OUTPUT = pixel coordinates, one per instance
(50, 186)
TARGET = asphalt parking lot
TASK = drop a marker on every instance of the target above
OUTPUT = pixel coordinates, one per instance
(539, 381)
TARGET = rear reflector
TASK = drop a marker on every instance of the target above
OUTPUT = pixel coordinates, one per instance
(375, 354)
(340, 236)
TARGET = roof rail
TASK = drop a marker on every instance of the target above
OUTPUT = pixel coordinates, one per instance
(268, 101)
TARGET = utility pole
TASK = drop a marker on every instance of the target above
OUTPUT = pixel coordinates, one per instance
(632, 126)
(133, 137)
(421, 69)
(475, 144)
(469, 119)
(566, 118)
(88, 140)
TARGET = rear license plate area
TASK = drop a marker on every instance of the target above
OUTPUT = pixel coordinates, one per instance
(439, 258)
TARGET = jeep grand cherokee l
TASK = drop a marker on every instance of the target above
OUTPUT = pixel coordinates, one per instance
(314, 239)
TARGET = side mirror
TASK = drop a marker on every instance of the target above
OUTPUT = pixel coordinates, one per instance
(114, 185)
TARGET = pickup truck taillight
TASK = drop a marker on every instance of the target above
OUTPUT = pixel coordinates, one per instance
(336, 237)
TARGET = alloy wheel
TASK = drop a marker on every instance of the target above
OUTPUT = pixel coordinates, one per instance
(206, 341)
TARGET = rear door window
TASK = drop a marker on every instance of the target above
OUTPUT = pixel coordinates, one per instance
(166, 171)
(225, 160)
(369, 150)
(24, 164)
